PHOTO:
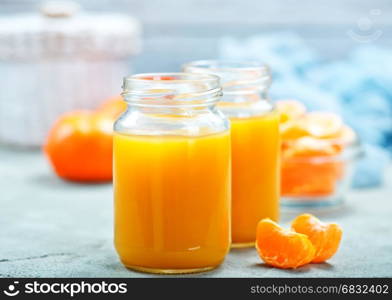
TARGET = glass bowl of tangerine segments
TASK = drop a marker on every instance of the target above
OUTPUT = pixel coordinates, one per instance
(319, 152)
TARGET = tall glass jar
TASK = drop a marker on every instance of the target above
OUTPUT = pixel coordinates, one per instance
(172, 174)
(255, 143)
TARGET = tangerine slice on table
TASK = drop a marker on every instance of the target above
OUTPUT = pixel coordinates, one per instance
(290, 109)
(282, 248)
(325, 237)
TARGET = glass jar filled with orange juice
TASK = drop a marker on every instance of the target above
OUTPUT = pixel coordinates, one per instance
(254, 140)
(172, 174)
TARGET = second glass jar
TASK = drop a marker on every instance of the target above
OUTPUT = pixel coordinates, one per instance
(255, 143)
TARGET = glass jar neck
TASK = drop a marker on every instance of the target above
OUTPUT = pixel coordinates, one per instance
(171, 111)
(245, 97)
(240, 81)
(171, 92)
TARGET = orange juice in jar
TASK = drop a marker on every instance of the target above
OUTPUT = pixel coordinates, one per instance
(172, 174)
(255, 143)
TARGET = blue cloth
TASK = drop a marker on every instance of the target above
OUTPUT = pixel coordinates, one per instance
(358, 87)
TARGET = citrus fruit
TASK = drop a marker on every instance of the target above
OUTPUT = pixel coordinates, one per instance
(293, 129)
(79, 146)
(290, 109)
(325, 237)
(113, 107)
(346, 137)
(322, 124)
(282, 248)
(308, 178)
(310, 147)
(315, 124)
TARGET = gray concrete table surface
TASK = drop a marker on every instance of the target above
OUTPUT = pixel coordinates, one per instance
(52, 228)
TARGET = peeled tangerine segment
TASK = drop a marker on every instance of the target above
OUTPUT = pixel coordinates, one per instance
(290, 109)
(293, 129)
(323, 124)
(311, 147)
(346, 135)
(308, 178)
(315, 124)
(282, 248)
(325, 237)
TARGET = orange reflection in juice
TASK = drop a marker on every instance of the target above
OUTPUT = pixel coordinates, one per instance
(255, 174)
(172, 200)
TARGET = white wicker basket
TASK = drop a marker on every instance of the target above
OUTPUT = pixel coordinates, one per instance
(57, 61)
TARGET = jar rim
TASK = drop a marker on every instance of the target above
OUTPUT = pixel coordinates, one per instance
(172, 89)
(237, 77)
(227, 65)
